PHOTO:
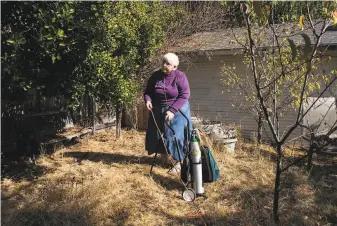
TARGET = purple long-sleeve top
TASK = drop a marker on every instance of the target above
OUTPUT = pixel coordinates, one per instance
(167, 90)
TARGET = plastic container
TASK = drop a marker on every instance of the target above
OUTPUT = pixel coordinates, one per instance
(230, 144)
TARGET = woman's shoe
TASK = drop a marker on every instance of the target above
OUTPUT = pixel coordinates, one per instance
(175, 169)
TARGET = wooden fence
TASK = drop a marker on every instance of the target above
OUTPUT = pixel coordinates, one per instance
(44, 117)
(136, 116)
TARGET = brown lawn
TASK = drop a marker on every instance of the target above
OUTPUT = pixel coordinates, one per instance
(103, 181)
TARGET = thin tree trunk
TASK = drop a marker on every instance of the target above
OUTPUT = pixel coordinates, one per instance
(310, 152)
(119, 108)
(277, 184)
(259, 130)
(79, 111)
(275, 121)
(93, 114)
(72, 115)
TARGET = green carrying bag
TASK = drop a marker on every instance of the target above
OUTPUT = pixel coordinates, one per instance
(210, 169)
(186, 170)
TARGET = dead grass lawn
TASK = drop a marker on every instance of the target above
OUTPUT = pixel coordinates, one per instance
(103, 181)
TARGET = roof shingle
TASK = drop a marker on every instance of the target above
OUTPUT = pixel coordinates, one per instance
(227, 39)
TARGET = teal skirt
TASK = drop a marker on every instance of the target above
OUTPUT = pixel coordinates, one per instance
(153, 141)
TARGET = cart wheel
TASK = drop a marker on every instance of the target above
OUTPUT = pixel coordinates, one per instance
(189, 195)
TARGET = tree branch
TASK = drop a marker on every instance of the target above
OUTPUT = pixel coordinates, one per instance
(298, 118)
(298, 122)
(253, 65)
(239, 42)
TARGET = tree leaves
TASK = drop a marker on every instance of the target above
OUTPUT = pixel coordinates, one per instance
(301, 22)
(257, 9)
(262, 14)
(39, 41)
(307, 48)
(121, 36)
(60, 34)
(131, 32)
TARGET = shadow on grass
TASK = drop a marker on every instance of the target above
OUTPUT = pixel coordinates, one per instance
(39, 217)
(209, 220)
(20, 170)
(323, 178)
(167, 182)
(244, 206)
(108, 158)
(53, 211)
(317, 171)
(53, 206)
(272, 155)
(233, 207)
(311, 194)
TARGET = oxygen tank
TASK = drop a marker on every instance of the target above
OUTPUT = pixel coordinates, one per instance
(196, 164)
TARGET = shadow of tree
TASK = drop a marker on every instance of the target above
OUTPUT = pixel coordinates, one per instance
(20, 170)
(109, 158)
(317, 171)
(167, 183)
(246, 208)
(246, 205)
(253, 203)
(243, 207)
(324, 179)
(54, 218)
(208, 220)
(49, 209)
(272, 155)
(313, 193)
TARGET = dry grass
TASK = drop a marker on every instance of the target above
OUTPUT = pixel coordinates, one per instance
(103, 181)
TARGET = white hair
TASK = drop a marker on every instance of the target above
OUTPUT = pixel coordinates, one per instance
(172, 59)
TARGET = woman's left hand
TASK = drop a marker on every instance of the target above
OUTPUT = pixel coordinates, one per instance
(169, 115)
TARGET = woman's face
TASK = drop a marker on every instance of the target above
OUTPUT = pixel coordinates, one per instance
(167, 67)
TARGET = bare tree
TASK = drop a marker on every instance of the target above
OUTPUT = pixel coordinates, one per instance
(285, 76)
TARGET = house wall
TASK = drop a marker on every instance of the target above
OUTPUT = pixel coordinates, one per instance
(211, 100)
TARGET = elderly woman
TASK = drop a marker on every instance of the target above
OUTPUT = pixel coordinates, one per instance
(166, 93)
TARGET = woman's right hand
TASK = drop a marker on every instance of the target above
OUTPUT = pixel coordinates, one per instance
(149, 105)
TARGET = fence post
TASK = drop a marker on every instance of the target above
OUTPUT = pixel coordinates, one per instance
(119, 110)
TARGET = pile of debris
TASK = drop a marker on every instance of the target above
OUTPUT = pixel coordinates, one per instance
(219, 132)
